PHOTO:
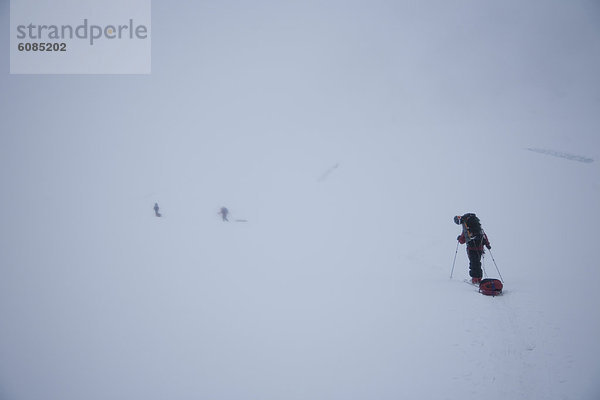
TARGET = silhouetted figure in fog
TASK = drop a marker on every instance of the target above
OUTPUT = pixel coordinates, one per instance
(156, 208)
(224, 212)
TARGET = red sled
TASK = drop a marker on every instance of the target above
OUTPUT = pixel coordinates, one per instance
(490, 287)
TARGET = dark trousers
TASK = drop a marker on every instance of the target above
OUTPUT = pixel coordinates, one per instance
(475, 254)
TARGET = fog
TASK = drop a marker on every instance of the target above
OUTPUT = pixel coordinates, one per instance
(347, 135)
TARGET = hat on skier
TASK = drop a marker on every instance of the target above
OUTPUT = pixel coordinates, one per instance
(457, 219)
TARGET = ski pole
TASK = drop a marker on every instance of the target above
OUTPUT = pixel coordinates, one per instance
(496, 265)
(454, 262)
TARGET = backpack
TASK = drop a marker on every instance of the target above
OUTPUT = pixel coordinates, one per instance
(472, 224)
(490, 287)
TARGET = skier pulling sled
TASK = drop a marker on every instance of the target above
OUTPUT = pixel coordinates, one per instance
(224, 213)
(475, 238)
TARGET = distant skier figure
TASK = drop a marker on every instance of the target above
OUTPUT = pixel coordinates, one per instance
(156, 208)
(475, 238)
(224, 212)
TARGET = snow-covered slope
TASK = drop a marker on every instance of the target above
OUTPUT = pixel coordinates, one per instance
(335, 289)
(338, 285)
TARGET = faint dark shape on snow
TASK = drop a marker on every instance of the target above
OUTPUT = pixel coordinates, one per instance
(328, 172)
(561, 154)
